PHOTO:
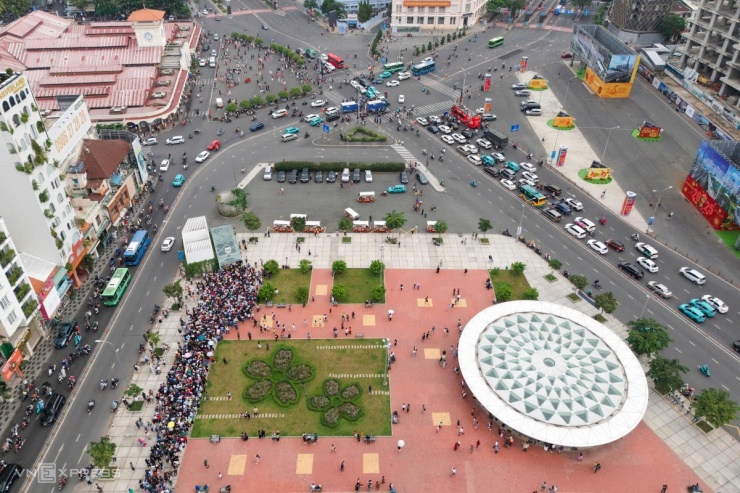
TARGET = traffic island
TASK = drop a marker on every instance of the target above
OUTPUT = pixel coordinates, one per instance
(583, 174)
(362, 134)
(640, 135)
(325, 387)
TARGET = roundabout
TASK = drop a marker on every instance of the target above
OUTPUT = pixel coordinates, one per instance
(553, 374)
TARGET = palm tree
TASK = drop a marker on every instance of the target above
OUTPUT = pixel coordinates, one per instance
(395, 220)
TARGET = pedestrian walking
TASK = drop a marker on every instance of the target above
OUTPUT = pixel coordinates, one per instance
(132, 466)
(220, 476)
(257, 459)
(597, 466)
(341, 467)
(664, 488)
(205, 463)
(453, 472)
(670, 215)
(544, 486)
(603, 193)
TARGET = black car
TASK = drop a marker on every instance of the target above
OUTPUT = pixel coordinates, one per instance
(404, 177)
(332, 117)
(468, 134)
(9, 475)
(64, 334)
(553, 189)
(421, 178)
(293, 178)
(206, 47)
(356, 175)
(53, 409)
(736, 346)
(631, 270)
(305, 176)
(492, 171)
(433, 128)
(281, 177)
(331, 177)
(318, 177)
(256, 126)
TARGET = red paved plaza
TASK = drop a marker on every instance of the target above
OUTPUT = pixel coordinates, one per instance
(640, 462)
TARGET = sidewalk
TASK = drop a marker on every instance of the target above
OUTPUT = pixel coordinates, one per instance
(714, 457)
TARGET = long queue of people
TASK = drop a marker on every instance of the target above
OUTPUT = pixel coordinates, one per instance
(225, 298)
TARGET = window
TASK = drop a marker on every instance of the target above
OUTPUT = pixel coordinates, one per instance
(421, 10)
(430, 20)
(60, 198)
(52, 208)
(34, 132)
(453, 20)
(420, 20)
(23, 95)
(11, 148)
(431, 10)
(4, 302)
(441, 10)
(398, 20)
(440, 20)
(63, 235)
(16, 120)
(398, 8)
(6, 106)
(12, 101)
(411, 10)
(12, 317)
(467, 7)
(409, 20)
(40, 178)
(24, 146)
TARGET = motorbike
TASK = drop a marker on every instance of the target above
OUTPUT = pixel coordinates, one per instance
(635, 237)
(306, 136)
(114, 383)
(62, 482)
(197, 130)
(114, 406)
(220, 131)
(506, 233)
(213, 189)
(72, 382)
(103, 384)
(90, 406)
(704, 369)
(602, 221)
(190, 136)
(596, 284)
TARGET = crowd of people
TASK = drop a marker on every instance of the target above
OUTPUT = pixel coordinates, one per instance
(225, 298)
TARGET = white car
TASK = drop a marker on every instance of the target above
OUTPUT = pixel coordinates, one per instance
(661, 289)
(475, 160)
(480, 111)
(574, 204)
(329, 68)
(524, 181)
(598, 246)
(692, 275)
(165, 165)
(585, 224)
(355, 84)
(716, 303)
(528, 167)
(498, 157)
(647, 264)
(487, 117)
(310, 117)
(524, 92)
(459, 138)
(368, 176)
(435, 119)
(483, 143)
(404, 75)
(518, 87)
(530, 176)
(323, 57)
(392, 83)
(471, 148)
(401, 98)
(508, 184)
(151, 141)
(448, 140)
(168, 243)
(317, 103)
(202, 62)
(331, 110)
(177, 139)
(202, 156)
(576, 231)
(422, 121)
(445, 129)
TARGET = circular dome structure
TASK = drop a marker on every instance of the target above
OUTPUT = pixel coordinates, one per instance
(553, 373)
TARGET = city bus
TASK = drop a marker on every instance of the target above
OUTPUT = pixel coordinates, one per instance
(424, 67)
(532, 196)
(492, 43)
(136, 248)
(335, 60)
(393, 67)
(116, 287)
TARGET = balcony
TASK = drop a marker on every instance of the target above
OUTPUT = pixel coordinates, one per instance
(3, 237)
(6, 257)
(14, 274)
(29, 307)
(22, 291)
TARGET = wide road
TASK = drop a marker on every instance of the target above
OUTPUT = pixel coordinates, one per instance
(461, 206)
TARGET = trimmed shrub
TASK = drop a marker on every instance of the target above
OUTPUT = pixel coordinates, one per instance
(258, 369)
(258, 391)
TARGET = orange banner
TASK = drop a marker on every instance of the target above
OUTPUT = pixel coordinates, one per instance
(649, 132)
(603, 90)
(563, 122)
(706, 205)
(598, 173)
(13, 365)
(538, 84)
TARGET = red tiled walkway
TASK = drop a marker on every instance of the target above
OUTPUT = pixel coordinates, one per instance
(640, 462)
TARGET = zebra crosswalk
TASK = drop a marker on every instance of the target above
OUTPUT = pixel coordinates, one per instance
(546, 27)
(437, 85)
(403, 152)
(433, 109)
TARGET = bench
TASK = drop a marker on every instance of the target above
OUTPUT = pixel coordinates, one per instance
(268, 304)
(281, 305)
(369, 439)
(359, 336)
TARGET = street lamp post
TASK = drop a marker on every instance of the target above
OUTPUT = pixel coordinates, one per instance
(603, 155)
(100, 341)
(521, 219)
(657, 204)
(380, 274)
(647, 298)
(387, 346)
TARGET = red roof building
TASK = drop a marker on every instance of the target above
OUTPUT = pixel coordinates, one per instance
(131, 71)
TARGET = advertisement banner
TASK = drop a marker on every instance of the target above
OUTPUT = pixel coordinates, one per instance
(706, 205)
(563, 122)
(604, 90)
(487, 107)
(598, 173)
(523, 64)
(621, 68)
(69, 129)
(562, 153)
(649, 132)
(629, 202)
(538, 84)
(12, 366)
(487, 84)
(140, 161)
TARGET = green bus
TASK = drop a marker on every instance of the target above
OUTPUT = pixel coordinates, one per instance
(116, 287)
(532, 196)
(393, 67)
(492, 43)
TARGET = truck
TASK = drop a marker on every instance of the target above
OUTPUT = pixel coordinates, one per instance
(349, 107)
(495, 137)
(376, 106)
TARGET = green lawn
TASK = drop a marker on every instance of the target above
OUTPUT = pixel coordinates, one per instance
(365, 357)
(359, 284)
(287, 281)
(518, 284)
(729, 238)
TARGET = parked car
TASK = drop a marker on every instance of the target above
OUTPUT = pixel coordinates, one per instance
(305, 176)
(331, 177)
(356, 175)
(151, 141)
(318, 177)
(64, 334)
(421, 178)
(397, 189)
(404, 177)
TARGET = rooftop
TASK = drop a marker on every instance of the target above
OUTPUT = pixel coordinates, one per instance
(101, 158)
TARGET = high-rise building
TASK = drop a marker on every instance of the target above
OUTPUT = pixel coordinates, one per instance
(636, 22)
(710, 46)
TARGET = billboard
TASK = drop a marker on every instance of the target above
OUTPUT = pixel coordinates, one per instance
(604, 90)
(713, 186)
(71, 127)
(621, 68)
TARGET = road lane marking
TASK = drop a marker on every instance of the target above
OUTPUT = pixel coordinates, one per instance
(718, 327)
(715, 361)
(678, 350)
(692, 343)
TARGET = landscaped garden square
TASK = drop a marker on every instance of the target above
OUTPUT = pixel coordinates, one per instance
(359, 284)
(303, 386)
(287, 282)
